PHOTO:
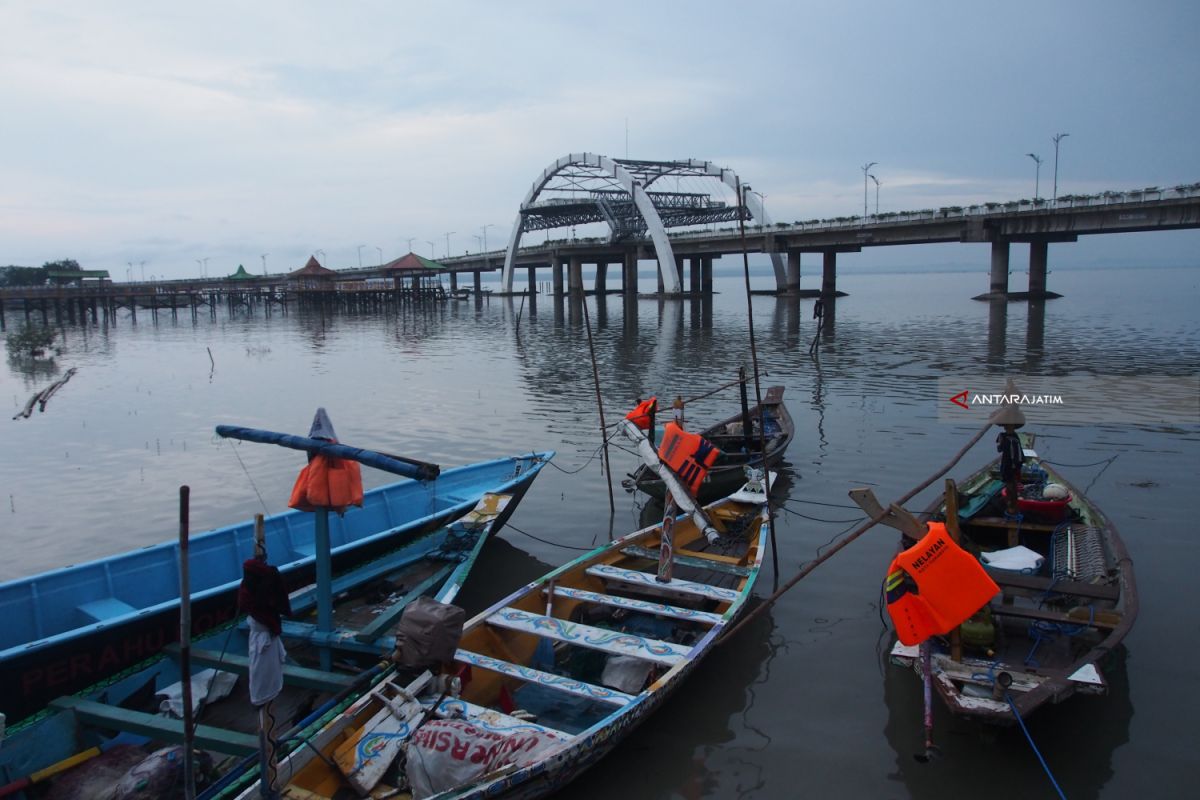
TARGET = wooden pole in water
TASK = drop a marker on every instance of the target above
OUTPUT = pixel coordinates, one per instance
(666, 546)
(956, 537)
(587, 319)
(324, 583)
(185, 645)
(260, 538)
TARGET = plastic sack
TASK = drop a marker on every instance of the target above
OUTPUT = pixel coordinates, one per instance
(446, 753)
(1017, 559)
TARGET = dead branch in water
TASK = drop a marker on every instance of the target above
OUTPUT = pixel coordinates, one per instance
(40, 399)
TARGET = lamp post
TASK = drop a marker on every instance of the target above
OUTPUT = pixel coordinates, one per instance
(143, 265)
(206, 266)
(866, 168)
(762, 199)
(448, 235)
(410, 241)
(323, 256)
(264, 258)
(872, 177)
(380, 251)
(1058, 137)
(1037, 174)
(360, 247)
(432, 254)
(130, 273)
(485, 248)
(200, 267)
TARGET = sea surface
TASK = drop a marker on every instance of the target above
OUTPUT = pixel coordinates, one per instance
(803, 702)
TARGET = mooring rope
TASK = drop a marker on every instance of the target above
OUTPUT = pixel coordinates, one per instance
(1036, 752)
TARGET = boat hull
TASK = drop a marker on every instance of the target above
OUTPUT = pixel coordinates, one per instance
(65, 664)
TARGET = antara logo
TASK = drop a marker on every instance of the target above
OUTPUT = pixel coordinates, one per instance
(960, 399)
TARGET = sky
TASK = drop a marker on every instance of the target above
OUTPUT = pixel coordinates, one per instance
(146, 137)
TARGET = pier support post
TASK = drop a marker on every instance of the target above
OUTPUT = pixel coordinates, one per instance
(694, 275)
(706, 280)
(453, 283)
(601, 278)
(478, 283)
(999, 282)
(661, 286)
(829, 273)
(793, 272)
(557, 276)
(532, 282)
(1037, 268)
(629, 279)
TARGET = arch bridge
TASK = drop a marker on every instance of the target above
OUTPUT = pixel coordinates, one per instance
(585, 188)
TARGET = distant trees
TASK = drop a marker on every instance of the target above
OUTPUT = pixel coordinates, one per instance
(13, 275)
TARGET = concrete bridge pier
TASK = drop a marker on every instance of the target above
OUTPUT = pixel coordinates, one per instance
(601, 278)
(706, 280)
(829, 273)
(695, 276)
(629, 278)
(793, 272)
(478, 286)
(557, 277)
(575, 276)
(1037, 268)
(532, 282)
(998, 286)
(453, 282)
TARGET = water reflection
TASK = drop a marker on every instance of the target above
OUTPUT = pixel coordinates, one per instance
(1077, 739)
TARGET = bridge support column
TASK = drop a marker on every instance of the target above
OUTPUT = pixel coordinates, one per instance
(661, 286)
(453, 282)
(793, 272)
(999, 283)
(694, 288)
(1037, 269)
(680, 262)
(629, 278)
(706, 285)
(575, 276)
(557, 277)
(601, 278)
(478, 284)
(532, 281)
(829, 273)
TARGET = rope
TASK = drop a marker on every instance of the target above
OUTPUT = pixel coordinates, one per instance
(252, 484)
(512, 527)
(1036, 752)
(784, 508)
(1080, 466)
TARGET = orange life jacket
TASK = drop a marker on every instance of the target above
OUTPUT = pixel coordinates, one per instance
(328, 482)
(689, 455)
(643, 414)
(934, 586)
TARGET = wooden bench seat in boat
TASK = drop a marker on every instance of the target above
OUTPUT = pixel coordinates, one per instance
(1038, 584)
(560, 683)
(648, 582)
(490, 719)
(580, 635)
(156, 726)
(1001, 522)
(699, 561)
(1102, 619)
(292, 674)
(106, 608)
(630, 604)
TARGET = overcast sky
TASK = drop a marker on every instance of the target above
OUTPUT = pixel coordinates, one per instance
(166, 132)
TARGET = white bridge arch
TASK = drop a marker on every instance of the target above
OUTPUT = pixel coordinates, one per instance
(635, 178)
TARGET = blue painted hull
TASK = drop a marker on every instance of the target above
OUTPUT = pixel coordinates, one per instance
(68, 629)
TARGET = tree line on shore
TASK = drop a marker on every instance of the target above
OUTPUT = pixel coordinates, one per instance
(13, 275)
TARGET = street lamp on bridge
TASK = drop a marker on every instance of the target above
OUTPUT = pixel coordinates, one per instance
(380, 251)
(360, 247)
(432, 254)
(143, 264)
(448, 235)
(199, 266)
(323, 257)
(1058, 137)
(762, 199)
(206, 266)
(866, 169)
(1037, 174)
(264, 258)
(410, 241)
(485, 249)
(872, 177)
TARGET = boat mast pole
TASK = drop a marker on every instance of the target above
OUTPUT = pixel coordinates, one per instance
(324, 584)
(185, 645)
(612, 506)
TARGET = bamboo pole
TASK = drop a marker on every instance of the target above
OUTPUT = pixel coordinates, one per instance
(185, 645)
(859, 531)
(951, 501)
(587, 319)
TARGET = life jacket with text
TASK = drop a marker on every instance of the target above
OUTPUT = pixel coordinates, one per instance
(328, 482)
(689, 455)
(643, 413)
(934, 586)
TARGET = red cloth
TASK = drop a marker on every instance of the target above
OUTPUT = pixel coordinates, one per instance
(263, 595)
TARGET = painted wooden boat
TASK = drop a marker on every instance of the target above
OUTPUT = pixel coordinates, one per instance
(580, 657)
(370, 600)
(67, 629)
(1047, 635)
(728, 473)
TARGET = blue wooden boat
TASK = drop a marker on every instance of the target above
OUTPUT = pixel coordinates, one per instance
(575, 660)
(68, 629)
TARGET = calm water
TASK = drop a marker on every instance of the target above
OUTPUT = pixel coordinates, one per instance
(804, 703)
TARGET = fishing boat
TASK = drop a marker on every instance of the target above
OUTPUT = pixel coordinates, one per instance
(552, 677)
(1067, 593)
(69, 628)
(739, 441)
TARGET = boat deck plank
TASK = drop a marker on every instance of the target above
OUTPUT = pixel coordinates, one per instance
(645, 580)
(692, 559)
(292, 674)
(574, 633)
(156, 726)
(560, 683)
(629, 603)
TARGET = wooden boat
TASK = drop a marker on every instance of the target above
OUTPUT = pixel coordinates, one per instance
(67, 629)
(737, 450)
(575, 660)
(1067, 601)
(79, 729)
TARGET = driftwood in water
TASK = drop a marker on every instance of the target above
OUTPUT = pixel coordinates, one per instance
(40, 399)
